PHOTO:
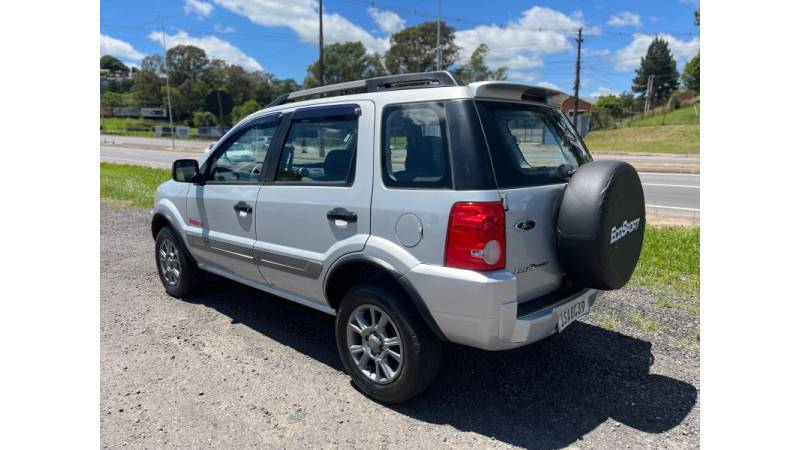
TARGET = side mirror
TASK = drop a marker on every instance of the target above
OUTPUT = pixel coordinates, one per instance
(186, 171)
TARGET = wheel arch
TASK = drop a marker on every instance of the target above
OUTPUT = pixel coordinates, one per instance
(162, 217)
(355, 268)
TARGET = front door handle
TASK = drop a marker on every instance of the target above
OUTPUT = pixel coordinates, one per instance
(342, 214)
(243, 207)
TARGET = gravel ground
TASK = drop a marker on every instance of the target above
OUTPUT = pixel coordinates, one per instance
(235, 367)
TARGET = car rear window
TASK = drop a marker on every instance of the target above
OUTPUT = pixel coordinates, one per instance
(530, 145)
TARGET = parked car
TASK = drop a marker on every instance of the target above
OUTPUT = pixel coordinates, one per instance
(418, 212)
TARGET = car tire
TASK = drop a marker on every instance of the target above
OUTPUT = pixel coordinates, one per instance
(177, 270)
(419, 348)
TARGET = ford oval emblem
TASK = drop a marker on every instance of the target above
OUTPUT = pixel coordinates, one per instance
(524, 225)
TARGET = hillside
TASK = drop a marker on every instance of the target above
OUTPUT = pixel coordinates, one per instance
(675, 139)
(680, 134)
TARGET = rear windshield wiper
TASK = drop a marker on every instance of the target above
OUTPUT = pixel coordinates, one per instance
(562, 171)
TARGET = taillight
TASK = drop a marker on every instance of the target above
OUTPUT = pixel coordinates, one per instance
(476, 236)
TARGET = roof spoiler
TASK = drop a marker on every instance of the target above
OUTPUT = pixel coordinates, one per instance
(519, 92)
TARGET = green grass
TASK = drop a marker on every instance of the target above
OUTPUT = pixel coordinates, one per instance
(131, 185)
(670, 262)
(128, 126)
(684, 116)
(645, 324)
(673, 139)
(692, 308)
(608, 322)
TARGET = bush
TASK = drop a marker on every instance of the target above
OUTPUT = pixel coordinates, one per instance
(204, 119)
(601, 118)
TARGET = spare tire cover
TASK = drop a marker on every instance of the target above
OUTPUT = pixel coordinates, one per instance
(600, 226)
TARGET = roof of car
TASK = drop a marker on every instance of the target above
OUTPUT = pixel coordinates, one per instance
(428, 85)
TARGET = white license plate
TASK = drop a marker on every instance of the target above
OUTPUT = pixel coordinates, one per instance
(571, 312)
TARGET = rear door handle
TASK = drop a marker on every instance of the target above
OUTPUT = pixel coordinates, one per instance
(243, 207)
(342, 214)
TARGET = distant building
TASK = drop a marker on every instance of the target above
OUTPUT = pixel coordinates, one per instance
(584, 107)
(584, 113)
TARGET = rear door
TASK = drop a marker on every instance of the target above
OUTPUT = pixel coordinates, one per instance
(316, 207)
(533, 150)
(221, 227)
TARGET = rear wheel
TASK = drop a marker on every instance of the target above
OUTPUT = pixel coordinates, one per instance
(178, 272)
(386, 348)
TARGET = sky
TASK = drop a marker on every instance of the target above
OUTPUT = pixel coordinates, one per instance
(534, 40)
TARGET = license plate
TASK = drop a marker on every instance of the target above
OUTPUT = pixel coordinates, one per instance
(571, 312)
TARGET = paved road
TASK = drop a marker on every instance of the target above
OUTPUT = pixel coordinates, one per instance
(673, 192)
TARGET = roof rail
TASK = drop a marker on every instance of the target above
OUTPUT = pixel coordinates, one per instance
(387, 83)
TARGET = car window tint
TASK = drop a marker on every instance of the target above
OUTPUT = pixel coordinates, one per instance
(319, 151)
(242, 158)
(415, 148)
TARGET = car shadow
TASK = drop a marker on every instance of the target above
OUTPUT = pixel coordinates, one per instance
(540, 396)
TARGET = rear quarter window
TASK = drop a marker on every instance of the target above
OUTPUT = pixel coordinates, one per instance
(415, 149)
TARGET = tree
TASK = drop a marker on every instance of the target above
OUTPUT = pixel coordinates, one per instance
(185, 62)
(239, 84)
(657, 62)
(113, 65)
(413, 49)
(245, 109)
(112, 99)
(697, 17)
(204, 119)
(610, 103)
(278, 87)
(153, 63)
(345, 62)
(147, 87)
(476, 69)
(691, 74)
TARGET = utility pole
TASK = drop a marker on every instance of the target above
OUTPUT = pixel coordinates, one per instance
(648, 94)
(439, 37)
(166, 70)
(321, 51)
(577, 79)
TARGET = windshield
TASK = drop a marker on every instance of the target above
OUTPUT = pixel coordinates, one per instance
(529, 144)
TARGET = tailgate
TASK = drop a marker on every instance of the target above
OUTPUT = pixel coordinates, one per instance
(531, 253)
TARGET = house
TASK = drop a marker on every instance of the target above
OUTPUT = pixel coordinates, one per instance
(584, 106)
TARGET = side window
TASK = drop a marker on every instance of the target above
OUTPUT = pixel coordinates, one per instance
(242, 159)
(319, 150)
(415, 148)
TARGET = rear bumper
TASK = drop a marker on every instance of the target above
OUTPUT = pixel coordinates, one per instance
(480, 309)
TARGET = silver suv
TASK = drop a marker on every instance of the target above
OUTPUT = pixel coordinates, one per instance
(415, 209)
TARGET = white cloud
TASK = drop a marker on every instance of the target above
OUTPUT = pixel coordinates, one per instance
(521, 77)
(302, 17)
(601, 91)
(521, 42)
(596, 52)
(629, 57)
(118, 48)
(548, 84)
(625, 19)
(213, 46)
(388, 21)
(224, 29)
(197, 7)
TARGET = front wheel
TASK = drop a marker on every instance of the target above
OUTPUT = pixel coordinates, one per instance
(385, 346)
(178, 272)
